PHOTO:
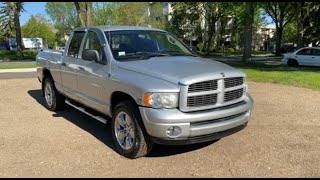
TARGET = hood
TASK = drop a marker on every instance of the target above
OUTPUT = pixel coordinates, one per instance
(182, 69)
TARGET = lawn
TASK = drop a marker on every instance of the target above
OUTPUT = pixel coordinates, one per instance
(308, 77)
(6, 55)
(235, 53)
(17, 66)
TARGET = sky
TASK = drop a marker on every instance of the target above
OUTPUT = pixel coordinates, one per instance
(32, 8)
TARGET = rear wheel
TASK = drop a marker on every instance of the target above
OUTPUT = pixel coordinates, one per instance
(54, 100)
(293, 63)
(128, 132)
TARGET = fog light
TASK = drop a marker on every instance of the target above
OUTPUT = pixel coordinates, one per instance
(173, 131)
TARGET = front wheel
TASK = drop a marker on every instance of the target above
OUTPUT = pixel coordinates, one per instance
(129, 135)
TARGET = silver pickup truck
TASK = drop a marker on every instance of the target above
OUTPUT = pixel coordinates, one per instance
(148, 83)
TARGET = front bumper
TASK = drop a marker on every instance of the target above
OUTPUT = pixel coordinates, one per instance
(197, 126)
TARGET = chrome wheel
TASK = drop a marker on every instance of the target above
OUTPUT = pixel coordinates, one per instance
(124, 130)
(48, 94)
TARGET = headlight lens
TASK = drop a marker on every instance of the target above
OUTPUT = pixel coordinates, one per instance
(161, 100)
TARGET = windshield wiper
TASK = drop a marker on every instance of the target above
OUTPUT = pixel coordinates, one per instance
(143, 55)
(173, 52)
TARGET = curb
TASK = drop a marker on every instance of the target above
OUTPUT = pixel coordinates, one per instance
(18, 70)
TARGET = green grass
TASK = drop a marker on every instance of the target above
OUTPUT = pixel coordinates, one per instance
(6, 55)
(17, 66)
(235, 53)
(308, 77)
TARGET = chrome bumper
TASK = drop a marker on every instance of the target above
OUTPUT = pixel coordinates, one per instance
(195, 124)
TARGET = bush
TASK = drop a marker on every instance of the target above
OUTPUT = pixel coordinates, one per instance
(6, 55)
(229, 50)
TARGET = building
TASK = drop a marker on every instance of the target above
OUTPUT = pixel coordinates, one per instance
(166, 9)
(263, 38)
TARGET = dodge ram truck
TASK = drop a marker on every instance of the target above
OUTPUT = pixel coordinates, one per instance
(148, 84)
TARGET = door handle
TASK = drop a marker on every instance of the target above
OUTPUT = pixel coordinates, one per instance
(312, 57)
(63, 64)
(81, 68)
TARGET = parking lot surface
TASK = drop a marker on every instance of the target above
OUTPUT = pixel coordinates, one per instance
(281, 140)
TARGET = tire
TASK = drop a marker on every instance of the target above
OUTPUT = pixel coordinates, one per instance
(139, 142)
(57, 100)
(293, 63)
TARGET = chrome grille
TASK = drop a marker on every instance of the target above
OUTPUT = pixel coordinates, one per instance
(203, 86)
(232, 82)
(232, 95)
(212, 94)
(204, 100)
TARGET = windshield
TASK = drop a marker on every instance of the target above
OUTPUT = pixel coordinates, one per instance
(143, 44)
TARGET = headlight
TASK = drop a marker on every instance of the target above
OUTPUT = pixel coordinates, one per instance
(161, 100)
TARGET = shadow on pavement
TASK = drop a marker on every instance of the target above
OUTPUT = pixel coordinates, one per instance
(103, 132)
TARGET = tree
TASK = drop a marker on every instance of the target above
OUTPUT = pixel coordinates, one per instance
(84, 12)
(105, 13)
(281, 13)
(300, 19)
(132, 13)
(38, 27)
(248, 32)
(64, 17)
(290, 33)
(195, 12)
(6, 23)
(14, 9)
(156, 18)
(311, 26)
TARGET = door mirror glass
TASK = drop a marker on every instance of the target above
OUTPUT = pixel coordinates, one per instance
(90, 55)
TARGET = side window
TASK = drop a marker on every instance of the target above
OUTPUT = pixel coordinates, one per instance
(304, 52)
(75, 44)
(316, 52)
(93, 42)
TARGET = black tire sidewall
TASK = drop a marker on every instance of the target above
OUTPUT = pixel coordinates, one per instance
(293, 63)
(127, 107)
(49, 81)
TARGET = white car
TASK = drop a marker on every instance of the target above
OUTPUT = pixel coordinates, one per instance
(308, 56)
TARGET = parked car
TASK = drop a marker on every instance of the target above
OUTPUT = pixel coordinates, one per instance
(151, 86)
(308, 56)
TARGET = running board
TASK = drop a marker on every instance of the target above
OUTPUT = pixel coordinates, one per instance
(87, 113)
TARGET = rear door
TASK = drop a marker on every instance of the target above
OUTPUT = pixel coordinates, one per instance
(304, 56)
(70, 64)
(315, 58)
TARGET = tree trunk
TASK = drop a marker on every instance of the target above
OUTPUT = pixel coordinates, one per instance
(88, 13)
(279, 31)
(206, 27)
(18, 30)
(300, 22)
(210, 36)
(247, 39)
(218, 34)
(79, 13)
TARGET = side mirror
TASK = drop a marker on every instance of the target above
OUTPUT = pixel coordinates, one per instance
(90, 54)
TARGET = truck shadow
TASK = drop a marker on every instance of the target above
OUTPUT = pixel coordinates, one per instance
(103, 132)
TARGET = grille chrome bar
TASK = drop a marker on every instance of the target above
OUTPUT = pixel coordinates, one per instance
(205, 100)
(212, 94)
(232, 95)
(232, 82)
(203, 86)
